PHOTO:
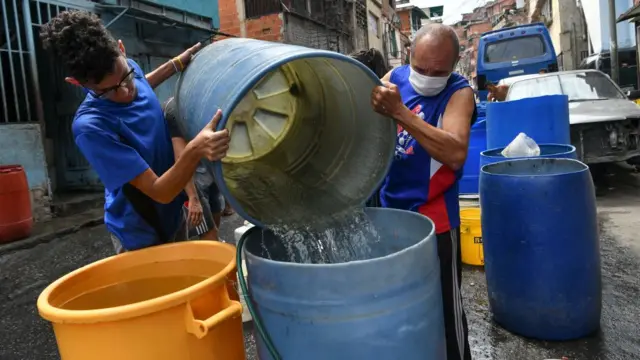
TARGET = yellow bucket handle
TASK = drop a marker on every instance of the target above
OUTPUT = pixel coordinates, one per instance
(200, 328)
(465, 229)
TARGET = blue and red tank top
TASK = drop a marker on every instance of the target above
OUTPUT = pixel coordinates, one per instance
(416, 181)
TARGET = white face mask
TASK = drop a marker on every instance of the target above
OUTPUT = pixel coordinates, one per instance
(427, 85)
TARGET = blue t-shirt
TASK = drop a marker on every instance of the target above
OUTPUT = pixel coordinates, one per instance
(121, 141)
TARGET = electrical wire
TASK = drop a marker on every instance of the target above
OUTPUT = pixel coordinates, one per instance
(463, 4)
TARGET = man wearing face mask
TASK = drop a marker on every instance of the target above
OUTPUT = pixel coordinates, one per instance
(434, 109)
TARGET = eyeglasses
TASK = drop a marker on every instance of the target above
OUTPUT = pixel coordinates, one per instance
(125, 82)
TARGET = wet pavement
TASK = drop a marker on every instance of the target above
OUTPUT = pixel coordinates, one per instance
(25, 273)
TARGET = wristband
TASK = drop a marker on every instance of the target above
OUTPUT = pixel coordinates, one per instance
(174, 66)
(179, 62)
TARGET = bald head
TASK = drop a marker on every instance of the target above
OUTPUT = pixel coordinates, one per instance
(435, 49)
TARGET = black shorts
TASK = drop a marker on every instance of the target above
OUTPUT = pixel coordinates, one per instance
(207, 222)
(455, 320)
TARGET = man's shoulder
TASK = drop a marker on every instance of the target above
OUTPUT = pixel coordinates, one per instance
(459, 80)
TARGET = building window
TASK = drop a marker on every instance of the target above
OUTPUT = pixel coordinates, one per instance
(394, 43)
(374, 24)
(436, 11)
(257, 8)
(399, 2)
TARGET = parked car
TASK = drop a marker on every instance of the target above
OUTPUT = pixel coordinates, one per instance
(605, 123)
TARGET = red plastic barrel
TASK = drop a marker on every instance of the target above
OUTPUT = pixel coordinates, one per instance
(16, 220)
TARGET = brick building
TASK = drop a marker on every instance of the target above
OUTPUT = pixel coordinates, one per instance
(336, 25)
(567, 27)
(411, 18)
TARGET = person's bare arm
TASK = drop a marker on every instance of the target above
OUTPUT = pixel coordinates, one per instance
(497, 92)
(447, 145)
(166, 70)
(179, 145)
(208, 143)
(165, 188)
(160, 74)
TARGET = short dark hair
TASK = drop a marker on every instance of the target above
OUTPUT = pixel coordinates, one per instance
(82, 43)
(373, 59)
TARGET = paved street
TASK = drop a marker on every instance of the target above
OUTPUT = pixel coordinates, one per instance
(24, 273)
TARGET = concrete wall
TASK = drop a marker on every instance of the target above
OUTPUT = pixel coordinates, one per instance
(22, 145)
(374, 7)
(566, 28)
(597, 16)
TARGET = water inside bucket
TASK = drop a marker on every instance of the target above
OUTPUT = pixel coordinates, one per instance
(156, 280)
(131, 292)
(349, 236)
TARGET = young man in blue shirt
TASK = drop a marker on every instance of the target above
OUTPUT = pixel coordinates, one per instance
(120, 129)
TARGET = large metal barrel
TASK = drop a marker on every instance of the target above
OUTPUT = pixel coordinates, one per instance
(556, 151)
(477, 143)
(388, 307)
(303, 132)
(541, 247)
(545, 119)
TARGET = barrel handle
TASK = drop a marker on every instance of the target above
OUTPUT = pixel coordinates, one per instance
(200, 328)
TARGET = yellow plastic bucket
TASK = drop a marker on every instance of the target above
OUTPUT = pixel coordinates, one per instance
(169, 302)
(471, 236)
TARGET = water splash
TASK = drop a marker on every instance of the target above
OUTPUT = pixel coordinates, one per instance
(348, 236)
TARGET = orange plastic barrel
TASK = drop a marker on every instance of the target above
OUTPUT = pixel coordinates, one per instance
(16, 220)
(169, 302)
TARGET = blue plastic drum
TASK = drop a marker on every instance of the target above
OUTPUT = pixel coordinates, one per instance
(471, 170)
(545, 119)
(541, 247)
(387, 307)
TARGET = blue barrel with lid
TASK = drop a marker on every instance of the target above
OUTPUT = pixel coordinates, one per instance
(541, 247)
(305, 141)
(545, 119)
(557, 151)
